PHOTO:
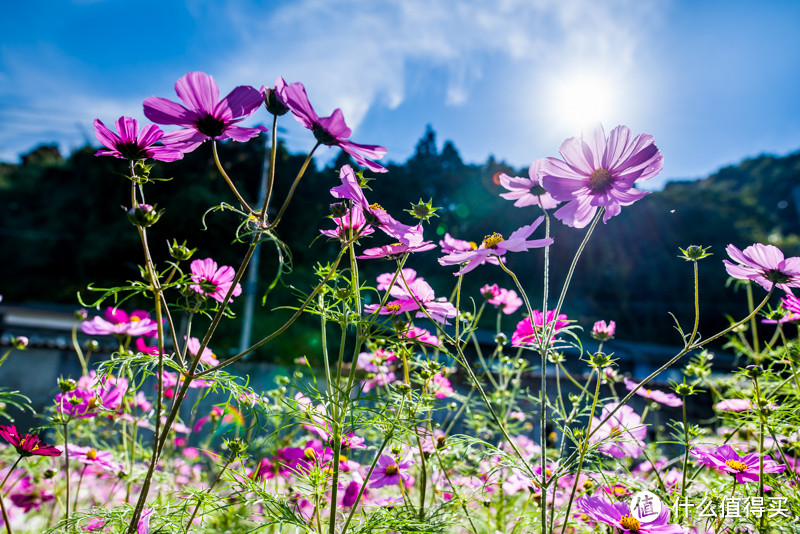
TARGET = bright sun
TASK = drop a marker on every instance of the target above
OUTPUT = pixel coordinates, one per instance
(581, 98)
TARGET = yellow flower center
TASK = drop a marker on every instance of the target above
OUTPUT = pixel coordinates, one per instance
(376, 206)
(630, 523)
(309, 454)
(391, 469)
(473, 245)
(92, 454)
(491, 241)
(134, 319)
(393, 307)
(736, 464)
(599, 180)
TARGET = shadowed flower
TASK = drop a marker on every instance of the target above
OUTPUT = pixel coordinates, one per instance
(765, 265)
(330, 131)
(622, 435)
(600, 172)
(212, 281)
(205, 115)
(28, 495)
(132, 144)
(495, 245)
(29, 445)
(745, 468)
(528, 191)
(619, 516)
(417, 296)
(662, 397)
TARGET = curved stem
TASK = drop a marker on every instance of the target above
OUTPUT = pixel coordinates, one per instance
(289, 196)
(224, 174)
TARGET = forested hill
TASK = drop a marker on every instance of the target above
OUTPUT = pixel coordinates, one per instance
(62, 227)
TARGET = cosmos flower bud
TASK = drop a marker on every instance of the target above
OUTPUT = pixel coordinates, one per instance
(49, 473)
(694, 253)
(236, 446)
(67, 384)
(20, 343)
(180, 252)
(92, 345)
(144, 215)
(81, 314)
(274, 104)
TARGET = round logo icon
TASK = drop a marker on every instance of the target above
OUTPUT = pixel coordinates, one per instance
(645, 506)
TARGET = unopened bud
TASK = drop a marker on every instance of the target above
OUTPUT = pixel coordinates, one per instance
(144, 215)
(81, 314)
(20, 343)
(180, 251)
(67, 384)
(274, 104)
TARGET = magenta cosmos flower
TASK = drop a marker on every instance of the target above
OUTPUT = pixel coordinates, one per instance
(417, 296)
(132, 144)
(619, 516)
(451, 245)
(765, 265)
(389, 471)
(528, 191)
(661, 397)
(205, 115)
(330, 131)
(530, 332)
(745, 468)
(505, 299)
(212, 281)
(599, 172)
(602, 331)
(496, 245)
(29, 445)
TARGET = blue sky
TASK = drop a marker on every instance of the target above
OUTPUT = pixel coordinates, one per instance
(714, 82)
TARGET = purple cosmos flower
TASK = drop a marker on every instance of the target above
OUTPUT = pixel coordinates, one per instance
(418, 295)
(29, 495)
(207, 358)
(599, 172)
(662, 397)
(505, 299)
(93, 394)
(420, 335)
(765, 265)
(734, 405)
(745, 468)
(29, 445)
(618, 515)
(100, 460)
(622, 435)
(395, 250)
(351, 224)
(118, 322)
(602, 331)
(212, 281)
(143, 526)
(528, 191)
(496, 245)
(205, 115)
(389, 471)
(791, 304)
(132, 144)
(330, 131)
(528, 332)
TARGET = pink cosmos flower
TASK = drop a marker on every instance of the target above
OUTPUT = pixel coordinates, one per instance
(418, 296)
(172, 381)
(144, 348)
(395, 250)
(118, 322)
(496, 245)
(205, 115)
(385, 279)
(528, 191)
(440, 386)
(213, 282)
(618, 515)
(791, 304)
(600, 172)
(352, 224)
(207, 358)
(100, 460)
(132, 144)
(765, 265)
(622, 435)
(143, 526)
(734, 405)
(330, 131)
(505, 299)
(745, 468)
(530, 332)
(450, 245)
(662, 397)
(420, 335)
(602, 331)
(390, 471)
(29, 445)
(350, 189)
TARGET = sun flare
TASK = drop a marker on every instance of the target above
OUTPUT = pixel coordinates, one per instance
(581, 98)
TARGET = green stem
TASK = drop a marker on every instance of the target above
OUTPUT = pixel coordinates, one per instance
(224, 174)
(289, 196)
